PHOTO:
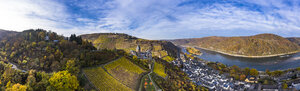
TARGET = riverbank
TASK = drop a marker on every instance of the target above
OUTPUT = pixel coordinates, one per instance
(236, 55)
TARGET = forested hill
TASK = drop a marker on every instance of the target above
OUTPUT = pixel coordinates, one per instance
(41, 50)
(127, 43)
(257, 45)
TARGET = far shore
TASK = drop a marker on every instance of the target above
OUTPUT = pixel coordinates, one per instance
(237, 55)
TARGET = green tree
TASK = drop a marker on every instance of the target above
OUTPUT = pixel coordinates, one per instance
(63, 81)
(43, 83)
(246, 71)
(236, 77)
(268, 72)
(253, 72)
(71, 67)
(31, 80)
(58, 54)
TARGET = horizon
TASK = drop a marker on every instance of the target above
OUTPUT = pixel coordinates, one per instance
(156, 39)
(154, 19)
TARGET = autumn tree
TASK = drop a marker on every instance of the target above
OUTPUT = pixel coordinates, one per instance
(17, 87)
(284, 86)
(31, 80)
(246, 71)
(71, 67)
(242, 77)
(63, 81)
(254, 72)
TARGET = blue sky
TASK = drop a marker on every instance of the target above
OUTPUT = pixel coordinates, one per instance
(154, 19)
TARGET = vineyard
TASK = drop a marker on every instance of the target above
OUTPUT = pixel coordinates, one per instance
(124, 63)
(159, 69)
(103, 81)
(125, 71)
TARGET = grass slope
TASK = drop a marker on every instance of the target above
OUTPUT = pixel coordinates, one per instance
(103, 81)
(125, 71)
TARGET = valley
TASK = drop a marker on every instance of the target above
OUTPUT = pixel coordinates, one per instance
(113, 61)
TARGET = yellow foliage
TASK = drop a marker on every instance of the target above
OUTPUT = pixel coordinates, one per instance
(168, 58)
(17, 87)
(159, 69)
(193, 51)
(64, 81)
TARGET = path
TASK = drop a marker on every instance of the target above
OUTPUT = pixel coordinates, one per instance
(155, 86)
(16, 67)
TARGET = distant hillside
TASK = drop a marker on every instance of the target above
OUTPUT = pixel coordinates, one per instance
(127, 43)
(294, 39)
(5, 33)
(255, 46)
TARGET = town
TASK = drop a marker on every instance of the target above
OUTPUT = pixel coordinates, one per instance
(203, 75)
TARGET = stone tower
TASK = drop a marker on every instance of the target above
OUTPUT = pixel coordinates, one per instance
(138, 49)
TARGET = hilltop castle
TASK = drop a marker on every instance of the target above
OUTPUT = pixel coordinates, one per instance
(142, 55)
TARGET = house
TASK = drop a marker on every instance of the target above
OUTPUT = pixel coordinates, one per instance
(47, 38)
(296, 86)
(251, 79)
(56, 41)
(269, 87)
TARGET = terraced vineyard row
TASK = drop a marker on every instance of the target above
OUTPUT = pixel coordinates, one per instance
(125, 72)
(103, 81)
(124, 63)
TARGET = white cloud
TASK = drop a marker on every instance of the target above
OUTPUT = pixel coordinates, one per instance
(26, 14)
(153, 19)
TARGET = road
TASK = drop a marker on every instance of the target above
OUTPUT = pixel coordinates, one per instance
(16, 67)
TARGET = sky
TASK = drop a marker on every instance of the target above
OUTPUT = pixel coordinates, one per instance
(154, 19)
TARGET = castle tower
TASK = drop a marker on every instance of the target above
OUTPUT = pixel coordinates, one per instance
(138, 49)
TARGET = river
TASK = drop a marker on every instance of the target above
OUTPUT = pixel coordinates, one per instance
(261, 64)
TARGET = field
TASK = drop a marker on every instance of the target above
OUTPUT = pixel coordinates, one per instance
(103, 81)
(125, 71)
(159, 69)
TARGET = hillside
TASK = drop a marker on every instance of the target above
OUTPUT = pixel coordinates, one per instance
(261, 45)
(5, 33)
(294, 39)
(39, 60)
(128, 43)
